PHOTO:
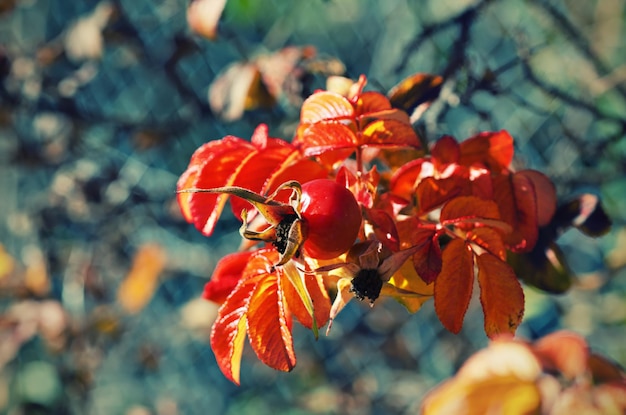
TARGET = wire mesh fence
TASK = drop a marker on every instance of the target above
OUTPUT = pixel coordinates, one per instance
(101, 106)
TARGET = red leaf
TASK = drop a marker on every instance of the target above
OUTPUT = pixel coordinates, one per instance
(453, 286)
(545, 193)
(268, 326)
(226, 276)
(501, 295)
(428, 261)
(564, 351)
(492, 149)
(432, 193)
(384, 228)
(445, 151)
(516, 200)
(468, 207)
(325, 106)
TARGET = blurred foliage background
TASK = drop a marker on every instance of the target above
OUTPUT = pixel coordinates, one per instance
(101, 106)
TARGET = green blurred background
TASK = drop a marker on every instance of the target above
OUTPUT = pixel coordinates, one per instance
(98, 118)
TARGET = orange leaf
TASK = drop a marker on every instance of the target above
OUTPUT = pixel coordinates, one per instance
(453, 286)
(494, 395)
(214, 164)
(141, 281)
(501, 295)
(415, 90)
(226, 276)
(325, 106)
(229, 330)
(268, 326)
(403, 181)
(319, 297)
(564, 351)
(389, 132)
(492, 149)
(515, 196)
(256, 297)
(432, 193)
(371, 101)
(322, 137)
(488, 239)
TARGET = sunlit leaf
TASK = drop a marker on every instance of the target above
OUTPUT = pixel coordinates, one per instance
(301, 170)
(491, 149)
(445, 151)
(214, 164)
(226, 276)
(504, 356)
(325, 106)
(501, 295)
(141, 281)
(415, 90)
(7, 263)
(322, 137)
(488, 239)
(371, 101)
(269, 156)
(203, 17)
(453, 286)
(236, 89)
(268, 328)
(415, 291)
(228, 334)
(431, 193)
(319, 298)
(515, 196)
(563, 351)
(403, 181)
(391, 133)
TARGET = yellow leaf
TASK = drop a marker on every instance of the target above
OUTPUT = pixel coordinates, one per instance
(414, 291)
(7, 263)
(141, 281)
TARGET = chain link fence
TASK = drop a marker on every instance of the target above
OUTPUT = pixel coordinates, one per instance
(97, 125)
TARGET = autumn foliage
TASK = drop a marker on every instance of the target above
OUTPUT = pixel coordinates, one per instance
(430, 221)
